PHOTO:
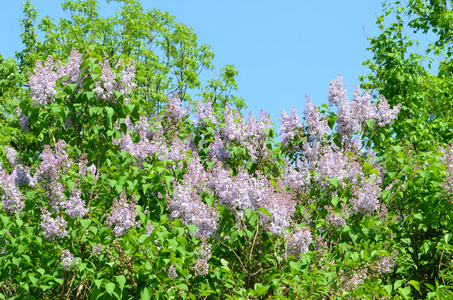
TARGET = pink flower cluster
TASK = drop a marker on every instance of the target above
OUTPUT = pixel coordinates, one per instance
(52, 228)
(187, 205)
(107, 83)
(242, 191)
(12, 198)
(68, 260)
(353, 115)
(43, 82)
(123, 214)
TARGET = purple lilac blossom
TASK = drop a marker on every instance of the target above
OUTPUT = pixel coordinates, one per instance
(299, 241)
(235, 127)
(174, 112)
(288, 125)
(72, 69)
(334, 219)
(386, 114)
(68, 260)
(204, 112)
(43, 82)
(23, 122)
(55, 192)
(366, 200)
(217, 150)
(123, 214)
(171, 272)
(97, 249)
(337, 91)
(201, 267)
(75, 207)
(386, 263)
(12, 155)
(149, 228)
(52, 228)
(187, 206)
(351, 283)
(12, 198)
(447, 160)
(316, 124)
(21, 175)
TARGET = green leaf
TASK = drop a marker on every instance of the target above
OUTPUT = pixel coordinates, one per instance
(145, 294)
(85, 223)
(334, 181)
(415, 284)
(110, 287)
(121, 281)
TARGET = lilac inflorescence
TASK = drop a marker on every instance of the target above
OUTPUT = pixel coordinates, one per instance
(289, 124)
(52, 228)
(12, 155)
(299, 241)
(316, 124)
(75, 207)
(43, 82)
(123, 215)
(12, 198)
(171, 272)
(68, 260)
(175, 112)
(204, 112)
(217, 150)
(187, 205)
(97, 249)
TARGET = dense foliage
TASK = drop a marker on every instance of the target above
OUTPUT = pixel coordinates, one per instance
(111, 192)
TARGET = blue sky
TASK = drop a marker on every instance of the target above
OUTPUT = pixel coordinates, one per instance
(282, 49)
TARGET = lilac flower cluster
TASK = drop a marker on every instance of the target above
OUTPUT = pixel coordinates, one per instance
(174, 111)
(68, 260)
(334, 219)
(97, 249)
(21, 175)
(217, 150)
(52, 228)
(351, 116)
(241, 192)
(289, 124)
(12, 155)
(297, 180)
(351, 283)
(171, 272)
(75, 207)
(204, 112)
(23, 119)
(447, 160)
(151, 143)
(149, 228)
(43, 82)
(107, 83)
(188, 206)
(201, 267)
(316, 124)
(12, 198)
(72, 69)
(52, 165)
(386, 263)
(298, 241)
(366, 200)
(123, 215)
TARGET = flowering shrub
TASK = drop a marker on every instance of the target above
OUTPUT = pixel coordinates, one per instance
(162, 206)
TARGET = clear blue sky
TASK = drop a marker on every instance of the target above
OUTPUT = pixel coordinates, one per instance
(282, 49)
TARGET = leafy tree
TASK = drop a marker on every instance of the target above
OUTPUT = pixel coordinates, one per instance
(413, 148)
(166, 53)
